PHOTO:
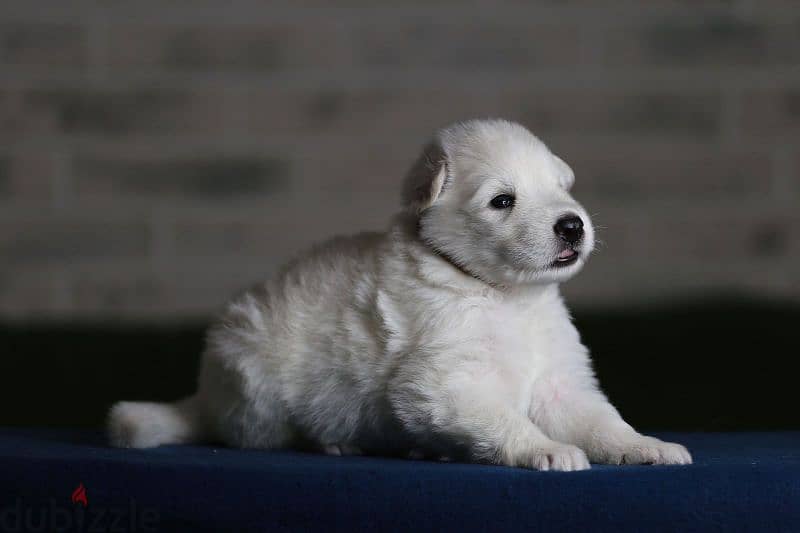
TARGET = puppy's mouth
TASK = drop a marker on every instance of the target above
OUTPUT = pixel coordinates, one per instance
(566, 257)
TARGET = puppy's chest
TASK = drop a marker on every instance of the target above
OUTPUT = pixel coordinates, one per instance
(512, 341)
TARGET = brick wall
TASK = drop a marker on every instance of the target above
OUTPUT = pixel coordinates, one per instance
(156, 156)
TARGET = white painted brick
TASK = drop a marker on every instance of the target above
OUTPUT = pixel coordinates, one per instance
(155, 157)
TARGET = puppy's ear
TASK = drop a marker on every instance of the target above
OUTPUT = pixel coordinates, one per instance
(565, 175)
(426, 179)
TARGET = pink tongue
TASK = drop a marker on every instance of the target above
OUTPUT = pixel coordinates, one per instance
(566, 254)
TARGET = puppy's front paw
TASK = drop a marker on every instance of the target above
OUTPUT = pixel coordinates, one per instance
(646, 450)
(555, 456)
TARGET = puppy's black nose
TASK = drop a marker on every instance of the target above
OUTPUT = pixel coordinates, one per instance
(569, 229)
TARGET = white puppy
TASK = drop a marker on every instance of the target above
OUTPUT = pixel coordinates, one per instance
(444, 336)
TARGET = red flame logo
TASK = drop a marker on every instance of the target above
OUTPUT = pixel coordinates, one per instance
(79, 495)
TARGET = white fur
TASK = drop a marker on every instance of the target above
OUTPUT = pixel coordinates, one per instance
(380, 344)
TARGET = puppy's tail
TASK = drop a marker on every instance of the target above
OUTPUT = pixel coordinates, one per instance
(145, 424)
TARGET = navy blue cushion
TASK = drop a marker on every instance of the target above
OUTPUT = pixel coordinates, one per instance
(740, 481)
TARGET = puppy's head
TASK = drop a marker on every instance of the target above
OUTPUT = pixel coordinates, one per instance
(492, 199)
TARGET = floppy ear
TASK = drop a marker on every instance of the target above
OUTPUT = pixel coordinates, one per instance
(425, 180)
(565, 175)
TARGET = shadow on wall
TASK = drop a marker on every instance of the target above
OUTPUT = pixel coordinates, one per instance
(724, 364)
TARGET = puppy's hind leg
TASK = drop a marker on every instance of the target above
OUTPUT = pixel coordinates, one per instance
(341, 449)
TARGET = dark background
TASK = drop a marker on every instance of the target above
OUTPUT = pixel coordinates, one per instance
(728, 364)
(157, 156)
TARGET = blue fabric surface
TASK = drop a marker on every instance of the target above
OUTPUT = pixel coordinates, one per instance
(739, 482)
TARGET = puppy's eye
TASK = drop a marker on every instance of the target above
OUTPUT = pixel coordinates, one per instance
(502, 201)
